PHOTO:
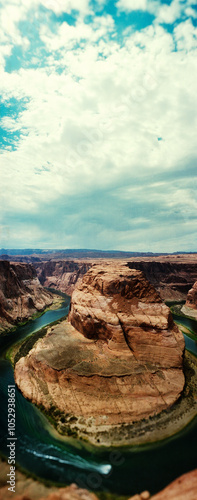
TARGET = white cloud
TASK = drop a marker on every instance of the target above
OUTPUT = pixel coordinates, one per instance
(95, 127)
(186, 36)
(68, 36)
(59, 6)
(130, 5)
(10, 15)
(119, 106)
(169, 13)
(164, 13)
(12, 12)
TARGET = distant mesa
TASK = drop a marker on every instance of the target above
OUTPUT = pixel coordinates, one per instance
(116, 360)
(61, 275)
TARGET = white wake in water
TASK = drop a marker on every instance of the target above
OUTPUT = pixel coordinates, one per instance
(75, 461)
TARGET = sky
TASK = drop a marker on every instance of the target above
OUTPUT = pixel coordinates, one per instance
(98, 119)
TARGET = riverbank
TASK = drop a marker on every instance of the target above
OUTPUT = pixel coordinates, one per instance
(156, 428)
(58, 301)
(151, 430)
(180, 309)
(21, 348)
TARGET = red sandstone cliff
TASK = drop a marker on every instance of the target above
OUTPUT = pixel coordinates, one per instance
(61, 275)
(171, 276)
(21, 294)
(116, 361)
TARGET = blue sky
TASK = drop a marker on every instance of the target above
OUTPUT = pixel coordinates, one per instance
(98, 124)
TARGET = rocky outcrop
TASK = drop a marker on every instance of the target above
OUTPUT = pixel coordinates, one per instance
(61, 275)
(117, 360)
(21, 294)
(190, 307)
(192, 297)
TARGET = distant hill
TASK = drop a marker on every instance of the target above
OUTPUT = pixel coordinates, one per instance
(37, 254)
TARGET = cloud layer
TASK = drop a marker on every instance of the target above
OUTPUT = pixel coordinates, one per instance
(98, 125)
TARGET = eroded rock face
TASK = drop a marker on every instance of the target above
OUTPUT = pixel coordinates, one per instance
(172, 276)
(192, 297)
(61, 275)
(21, 294)
(117, 359)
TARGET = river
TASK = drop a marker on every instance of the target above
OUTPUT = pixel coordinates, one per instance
(123, 472)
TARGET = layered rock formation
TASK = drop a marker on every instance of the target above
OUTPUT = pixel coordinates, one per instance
(116, 361)
(61, 275)
(192, 297)
(172, 276)
(190, 307)
(21, 294)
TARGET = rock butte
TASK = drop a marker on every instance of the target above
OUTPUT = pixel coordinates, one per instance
(21, 294)
(118, 358)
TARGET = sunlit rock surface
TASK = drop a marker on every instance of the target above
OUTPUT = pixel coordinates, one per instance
(192, 297)
(118, 359)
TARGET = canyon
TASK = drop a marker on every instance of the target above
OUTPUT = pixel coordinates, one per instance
(21, 294)
(172, 275)
(192, 297)
(118, 358)
(61, 275)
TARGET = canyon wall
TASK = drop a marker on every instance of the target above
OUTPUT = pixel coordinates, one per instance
(172, 278)
(61, 275)
(21, 294)
(192, 297)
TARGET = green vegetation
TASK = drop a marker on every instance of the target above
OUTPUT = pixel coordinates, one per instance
(192, 335)
(110, 496)
(22, 348)
(177, 309)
